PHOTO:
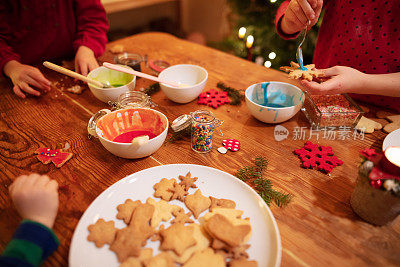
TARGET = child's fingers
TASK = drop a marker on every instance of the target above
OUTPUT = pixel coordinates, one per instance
(83, 66)
(333, 71)
(26, 88)
(298, 12)
(42, 181)
(18, 91)
(38, 77)
(295, 20)
(307, 9)
(93, 64)
(52, 185)
(33, 82)
(329, 87)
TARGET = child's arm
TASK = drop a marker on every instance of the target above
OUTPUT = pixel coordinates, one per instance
(91, 39)
(292, 16)
(349, 80)
(22, 76)
(36, 199)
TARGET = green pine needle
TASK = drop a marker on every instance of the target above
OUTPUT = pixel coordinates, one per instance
(263, 185)
(234, 94)
(152, 89)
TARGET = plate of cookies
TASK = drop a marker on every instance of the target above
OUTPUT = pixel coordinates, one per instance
(177, 215)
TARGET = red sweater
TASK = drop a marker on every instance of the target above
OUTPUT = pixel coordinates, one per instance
(32, 31)
(364, 35)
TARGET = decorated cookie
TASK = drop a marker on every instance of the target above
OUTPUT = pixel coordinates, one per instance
(321, 158)
(161, 260)
(164, 189)
(125, 210)
(231, 144)
(179, 192)
(57, 156)
(213, 98)
(145, 254)
(222, 203)
(182, 217)
(178, 238)
(296, 73)
(197, 203)
(163, 211)
(202, 243)
(187, 181)
(206, 257)
(368, 125)
(219, 227)
(102, 232)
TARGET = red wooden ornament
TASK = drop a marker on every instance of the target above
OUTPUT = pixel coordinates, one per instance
(57, 156)
(231, 144)
(321, 158)
(213, 98)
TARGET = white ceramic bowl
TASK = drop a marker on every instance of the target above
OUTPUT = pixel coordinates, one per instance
(290, 97)
(193, 76)
(104, 75)
(122, 120)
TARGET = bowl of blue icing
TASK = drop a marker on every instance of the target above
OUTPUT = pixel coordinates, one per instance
(274, 102)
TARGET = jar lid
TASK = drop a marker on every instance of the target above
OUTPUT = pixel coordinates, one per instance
(181, 123)
(91, 128)
(128, 59)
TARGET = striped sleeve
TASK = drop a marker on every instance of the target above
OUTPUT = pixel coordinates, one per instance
(32, 243)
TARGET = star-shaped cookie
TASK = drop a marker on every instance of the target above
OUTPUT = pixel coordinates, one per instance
(178, 238)
(125, 210)
(296, 73)
(179, 192)
(102, 232)
(162, 189)
(162, 212)
(187, 181)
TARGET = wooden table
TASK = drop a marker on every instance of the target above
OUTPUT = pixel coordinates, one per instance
(317, 228)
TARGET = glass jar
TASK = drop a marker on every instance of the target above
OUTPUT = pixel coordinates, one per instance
(203, 126)
(130, 59)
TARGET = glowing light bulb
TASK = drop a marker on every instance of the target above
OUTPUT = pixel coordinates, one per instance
(267, 64)
(242, 32)
(250, 41)
(272, 1)
(272, 55)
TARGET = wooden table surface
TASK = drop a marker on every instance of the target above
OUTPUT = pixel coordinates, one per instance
(317, 228)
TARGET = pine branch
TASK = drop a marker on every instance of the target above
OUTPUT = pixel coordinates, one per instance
(236, 96)
(152, 89)
(262, 185)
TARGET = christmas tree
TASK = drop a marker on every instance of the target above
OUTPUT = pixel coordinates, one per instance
(254, 26)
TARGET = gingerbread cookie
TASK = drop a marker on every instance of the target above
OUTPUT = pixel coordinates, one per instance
(102, 232)
(197, 203)
(223, 203)
(296, 73)
(145, 254)
(182, 217)
(206, 257)
(141, 218)
(128, 243)
(368, 125)
(57, 156)
(178, 238)
(163, 211)
(219, 227)
(164, 189)
(179, 192)
(187, 181)
(161, 260)
(202, 242)
(125, 210)
(394, 125)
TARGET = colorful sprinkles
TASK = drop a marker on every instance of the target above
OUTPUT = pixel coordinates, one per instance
(202, 131)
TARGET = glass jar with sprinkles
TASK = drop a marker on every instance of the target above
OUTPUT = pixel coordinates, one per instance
(203, 126)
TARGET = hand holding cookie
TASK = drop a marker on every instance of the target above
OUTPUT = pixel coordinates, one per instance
(36, 198)
(339, 80)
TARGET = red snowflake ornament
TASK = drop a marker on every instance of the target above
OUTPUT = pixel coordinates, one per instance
(318, 157)
(213, 98)
(57, 156)
(231, 144)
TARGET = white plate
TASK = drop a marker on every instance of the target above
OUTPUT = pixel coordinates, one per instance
(392, 139)
(265, 240)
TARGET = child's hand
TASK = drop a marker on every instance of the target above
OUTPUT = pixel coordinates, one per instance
(85, 60)
(36, 198)
(340, 80)
(24, 76)
(298, 13)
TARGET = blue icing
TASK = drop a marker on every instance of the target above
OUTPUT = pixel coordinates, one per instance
(276, 114)
(299, 56)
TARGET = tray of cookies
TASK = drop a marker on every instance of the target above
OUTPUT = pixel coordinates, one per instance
(177, 215)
